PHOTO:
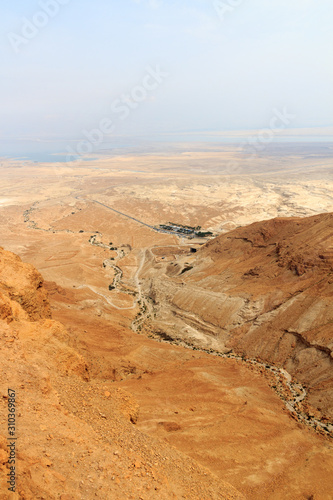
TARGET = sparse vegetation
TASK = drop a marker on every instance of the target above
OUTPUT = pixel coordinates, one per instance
(188, 268)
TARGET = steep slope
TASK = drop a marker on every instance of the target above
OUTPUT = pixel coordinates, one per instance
(221, 412)
(265, 290)
(75, 437)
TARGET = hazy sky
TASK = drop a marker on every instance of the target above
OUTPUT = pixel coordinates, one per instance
(150, 66)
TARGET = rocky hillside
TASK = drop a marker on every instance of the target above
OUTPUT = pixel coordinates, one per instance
(76, 437)
(265, 291)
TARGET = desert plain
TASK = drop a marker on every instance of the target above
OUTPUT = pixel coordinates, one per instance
(183, 344)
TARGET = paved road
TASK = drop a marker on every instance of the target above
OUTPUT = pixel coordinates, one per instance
(158, 230)
(128, 216)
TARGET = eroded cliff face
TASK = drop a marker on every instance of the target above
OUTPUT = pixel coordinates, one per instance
(265, 290)
(23, 284)
(76, 437)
